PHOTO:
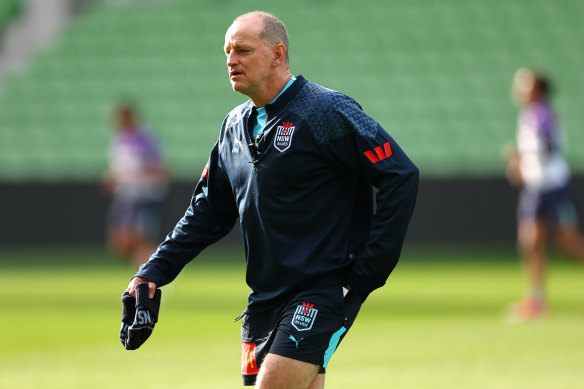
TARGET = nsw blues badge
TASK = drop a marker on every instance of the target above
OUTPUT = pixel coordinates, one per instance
(283, 138)
(304, 316)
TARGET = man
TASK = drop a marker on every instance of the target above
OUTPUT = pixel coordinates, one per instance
(546, 208)
(137, 180)
(296, 163)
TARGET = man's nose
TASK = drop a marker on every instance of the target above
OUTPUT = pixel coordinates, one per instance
(231, 59)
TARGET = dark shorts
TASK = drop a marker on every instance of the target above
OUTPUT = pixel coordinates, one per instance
(308, 328)
(555, 206)
(141, 215)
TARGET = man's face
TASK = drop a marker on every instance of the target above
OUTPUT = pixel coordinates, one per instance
(249, 60)
(523, 86)
(125, 120)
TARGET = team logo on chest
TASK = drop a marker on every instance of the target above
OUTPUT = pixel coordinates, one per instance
(283, 138)
(304, 316)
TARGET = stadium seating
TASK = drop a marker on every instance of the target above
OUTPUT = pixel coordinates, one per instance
(436, 75)
(9, 9)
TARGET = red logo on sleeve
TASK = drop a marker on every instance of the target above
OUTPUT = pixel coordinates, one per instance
(382, 153)
(205, 173)
(248, 359)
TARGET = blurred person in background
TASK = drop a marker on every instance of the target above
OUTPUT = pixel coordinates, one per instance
(137, 181)
(546, 209)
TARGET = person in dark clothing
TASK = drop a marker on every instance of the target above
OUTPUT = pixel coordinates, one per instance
(296, 164)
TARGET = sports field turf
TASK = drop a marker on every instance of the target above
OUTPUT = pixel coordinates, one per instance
(437, 324)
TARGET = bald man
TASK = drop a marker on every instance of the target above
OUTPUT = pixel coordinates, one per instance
(296, 163)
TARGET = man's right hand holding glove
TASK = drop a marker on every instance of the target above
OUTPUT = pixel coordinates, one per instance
(140, 306)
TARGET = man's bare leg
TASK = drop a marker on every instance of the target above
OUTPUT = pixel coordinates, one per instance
(533, 236)
(532, 239)
(279, 372)
(119, 241)
(571, 242)
(318, 382)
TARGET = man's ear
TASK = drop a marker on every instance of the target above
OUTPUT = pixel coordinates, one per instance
(279, 51)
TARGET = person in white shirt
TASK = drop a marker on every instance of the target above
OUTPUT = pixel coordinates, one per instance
(546, 208)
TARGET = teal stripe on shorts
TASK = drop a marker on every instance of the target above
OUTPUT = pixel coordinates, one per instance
(333, 343)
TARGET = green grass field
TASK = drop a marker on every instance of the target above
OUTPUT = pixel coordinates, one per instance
(437, 324)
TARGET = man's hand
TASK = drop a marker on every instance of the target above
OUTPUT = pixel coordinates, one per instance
(137, 280)
(139, 314)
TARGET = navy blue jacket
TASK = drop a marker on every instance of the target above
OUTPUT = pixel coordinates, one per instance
(303, 196)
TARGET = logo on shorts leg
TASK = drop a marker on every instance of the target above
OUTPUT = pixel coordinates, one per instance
(248, 359)
(283, 138)
(304, 316)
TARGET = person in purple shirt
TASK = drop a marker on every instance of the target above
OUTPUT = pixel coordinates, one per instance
(546, 210)
(137, 181)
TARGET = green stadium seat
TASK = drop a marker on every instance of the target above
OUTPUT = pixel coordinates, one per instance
(436, 75)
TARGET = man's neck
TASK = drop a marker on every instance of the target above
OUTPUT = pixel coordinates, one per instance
(272, 90)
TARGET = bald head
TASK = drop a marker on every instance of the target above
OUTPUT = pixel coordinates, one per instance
(273, 31)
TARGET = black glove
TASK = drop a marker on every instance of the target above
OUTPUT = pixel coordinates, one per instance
(128, 313)
(139, 315)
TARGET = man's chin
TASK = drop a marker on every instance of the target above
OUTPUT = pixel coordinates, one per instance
(238, 87)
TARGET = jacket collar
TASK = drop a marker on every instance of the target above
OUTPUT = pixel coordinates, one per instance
(285, 97)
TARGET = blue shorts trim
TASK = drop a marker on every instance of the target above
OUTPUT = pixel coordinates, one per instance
(333, 344)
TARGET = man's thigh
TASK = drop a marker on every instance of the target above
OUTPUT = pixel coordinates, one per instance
(285, 373)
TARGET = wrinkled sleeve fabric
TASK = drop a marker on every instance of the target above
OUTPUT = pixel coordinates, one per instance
(368, 150)
(211, 214)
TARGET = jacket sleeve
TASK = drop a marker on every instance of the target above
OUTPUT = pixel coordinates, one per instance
(369, 151)
(211, 215)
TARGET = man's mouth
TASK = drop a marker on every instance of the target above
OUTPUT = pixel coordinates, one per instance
(234, 73)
